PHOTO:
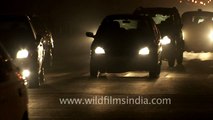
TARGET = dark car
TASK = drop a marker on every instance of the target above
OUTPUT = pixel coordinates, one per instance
(168, 21)
(13, 92)
(125, 43)
(25, 47)
(198, 31)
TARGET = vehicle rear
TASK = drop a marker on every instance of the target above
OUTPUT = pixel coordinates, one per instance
(198, 31)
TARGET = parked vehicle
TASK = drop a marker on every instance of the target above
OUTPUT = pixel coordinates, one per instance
(198, 31)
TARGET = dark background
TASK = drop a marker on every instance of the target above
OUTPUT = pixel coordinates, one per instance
(70, 19)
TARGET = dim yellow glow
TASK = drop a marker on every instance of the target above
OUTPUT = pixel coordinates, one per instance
(200, 56)
(200, 2)
(211, 36)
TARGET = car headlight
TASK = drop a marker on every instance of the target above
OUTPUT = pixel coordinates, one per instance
(211, 35)
(23, 53)
(99, 50)
(165, 41)
(144, 51)
(25, 73)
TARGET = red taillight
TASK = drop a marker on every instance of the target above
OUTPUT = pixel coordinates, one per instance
(19, 76)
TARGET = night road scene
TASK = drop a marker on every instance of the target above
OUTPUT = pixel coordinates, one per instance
(106, 60)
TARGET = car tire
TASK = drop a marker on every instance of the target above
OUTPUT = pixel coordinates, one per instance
(155, 71)
(180, 58)
(94, 72)
(171, 61)
(25, 116)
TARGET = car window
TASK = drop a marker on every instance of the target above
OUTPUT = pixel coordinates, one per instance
(18, 28)
(125, 27)
(128, 24)
(159, 18)
(200, 19)
(15, 33)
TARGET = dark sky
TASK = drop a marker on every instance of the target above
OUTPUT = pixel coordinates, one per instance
(72, 18)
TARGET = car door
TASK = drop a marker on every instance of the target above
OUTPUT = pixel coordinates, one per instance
(13, 95)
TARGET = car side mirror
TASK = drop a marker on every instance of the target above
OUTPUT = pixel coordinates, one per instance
(90, 34)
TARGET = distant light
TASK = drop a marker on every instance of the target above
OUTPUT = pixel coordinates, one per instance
(201, 2)
(201, 56)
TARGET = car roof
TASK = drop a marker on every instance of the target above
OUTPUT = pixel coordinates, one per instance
(151, 10)
(124, 16)
(198, 12)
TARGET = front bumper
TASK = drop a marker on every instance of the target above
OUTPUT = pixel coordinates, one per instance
(123, 63)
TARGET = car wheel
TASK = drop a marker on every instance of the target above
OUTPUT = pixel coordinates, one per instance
(155, 71)
(180, 58)
(171, 61)
(94, 72)
(25, 116)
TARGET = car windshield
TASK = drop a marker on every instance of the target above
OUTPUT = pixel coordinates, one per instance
(163, 19)
(19, 28)
(199, 19)
(15, 33)
(125, 28)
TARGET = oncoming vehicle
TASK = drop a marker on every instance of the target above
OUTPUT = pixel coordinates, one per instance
(25, 47)
(198, 31)
(13, 92)
(125, 43)
(169, 23)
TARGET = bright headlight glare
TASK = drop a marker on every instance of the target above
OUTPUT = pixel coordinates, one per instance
(183, 34)
(165, 41)
(99, 50)
(211, 35)
(23, 53)
(25, 73)
(144, 51)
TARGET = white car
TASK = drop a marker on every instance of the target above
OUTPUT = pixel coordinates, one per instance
(13, 92)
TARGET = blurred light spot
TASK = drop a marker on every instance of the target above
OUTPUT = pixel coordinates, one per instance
(200, 56)
(168, 76)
